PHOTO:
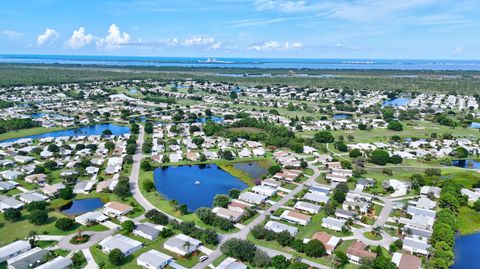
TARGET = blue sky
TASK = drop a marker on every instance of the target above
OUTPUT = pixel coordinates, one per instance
(413, 29)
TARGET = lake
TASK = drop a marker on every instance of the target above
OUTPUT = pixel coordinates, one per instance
(341, 116)
(466, 251)
(475, 125)
(78, 207)
(178, 183)
(212, 118)
(465, 164)
(252, 169)
(397, 102)
(86, 131)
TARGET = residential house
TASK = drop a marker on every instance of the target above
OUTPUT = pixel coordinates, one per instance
(13, 249)
(116, 209)
(406, 261)
(333, 223)
(57, 263)
(228, 214)
(357, 251)
(154, 259)
(231, 263)
(32, 197)
(182, 244)
(329, 241)
(279, 227)
(125, 244)
(295, 217)
(147, 230)
(252, 198)
(307, 207)
(28, 259)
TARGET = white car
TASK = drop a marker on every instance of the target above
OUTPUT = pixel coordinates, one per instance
(202, 258)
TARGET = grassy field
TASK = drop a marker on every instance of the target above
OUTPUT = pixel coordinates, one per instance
(468, 220)
(28, 132)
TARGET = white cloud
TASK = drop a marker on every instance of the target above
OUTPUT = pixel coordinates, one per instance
(79, 39)
(201, 42)
(47, 36)
(114, 39)
(275, 46)
(10, 34)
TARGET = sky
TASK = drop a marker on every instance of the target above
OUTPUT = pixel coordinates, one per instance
(366, 29)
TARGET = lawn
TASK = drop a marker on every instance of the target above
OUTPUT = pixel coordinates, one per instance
(468, 220)
(372, 236)
(315, 225)
(28, 132)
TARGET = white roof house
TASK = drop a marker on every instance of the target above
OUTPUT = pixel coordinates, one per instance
(147, 230)
(316, 197)
(9, 202)
(252, 198)
(228, 214)
(307, 207)
(32, 197)
(295, 217)
(279, 227)
(231, 263)
(91, 217)
(13, 249)
(154, 259)
(333, 223)
(125, 244)
(178, 244)
(415, 246)
(264, 190)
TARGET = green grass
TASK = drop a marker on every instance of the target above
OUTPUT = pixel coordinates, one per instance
(468, 220)
(315, 225)
(29, 132)
(372, 236)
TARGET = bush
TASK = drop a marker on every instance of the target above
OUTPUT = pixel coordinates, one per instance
(355, 153)
(324, 137)
(64, 224)
(36, 205)
(148, 185)
(379, 157)
(116, 257)
(66, 193)
(12, 214)
(38, 217)
(315, 248)
(395, 126)
(239, 249)
(157, 217)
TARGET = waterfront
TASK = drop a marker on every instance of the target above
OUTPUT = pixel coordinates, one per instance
(80, 206)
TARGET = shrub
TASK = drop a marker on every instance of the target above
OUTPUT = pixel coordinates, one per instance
(64, 223)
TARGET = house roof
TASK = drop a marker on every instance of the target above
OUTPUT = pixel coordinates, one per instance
(154, 258)
(118, 206)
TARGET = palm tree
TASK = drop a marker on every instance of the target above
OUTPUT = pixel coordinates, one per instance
(33, 235)
(187, 246)
(376, 230)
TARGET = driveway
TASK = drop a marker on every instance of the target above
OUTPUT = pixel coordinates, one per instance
(95, 238)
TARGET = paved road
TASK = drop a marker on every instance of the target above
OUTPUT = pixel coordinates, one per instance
(49, 237)
(91, 264)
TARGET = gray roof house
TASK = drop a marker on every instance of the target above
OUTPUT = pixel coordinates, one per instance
(11, 250)
(231, 263)
(252, 198)
(415, 246)
(154, 259)
(333, 223)
(9, 202)
(57, 263)
(28, 259)
(146, 230)
(279, 227)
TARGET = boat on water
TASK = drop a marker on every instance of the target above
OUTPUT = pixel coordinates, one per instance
(197, 182)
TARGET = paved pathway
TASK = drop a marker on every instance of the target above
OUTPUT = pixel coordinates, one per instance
(95, 237)
(49, 237)
(91, 264)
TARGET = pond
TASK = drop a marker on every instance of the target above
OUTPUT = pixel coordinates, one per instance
(467, 248)
(475, 125)
(341, 116)
(80, 206)
(194, 185)
(471, 164)
(252, 169)
(397, 102)
(212, 118)
(86, 131)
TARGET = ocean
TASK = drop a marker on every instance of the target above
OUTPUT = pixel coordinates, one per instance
(290, 63)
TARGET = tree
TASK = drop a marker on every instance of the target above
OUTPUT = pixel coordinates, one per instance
(355, 153)
(122, 189)
(183, 209)
(396, 159)
(234, 193)
(272, 170)
(39, 169)
(460, 152)
(476, 205)
(448, 200)
(341, 258)
(379, 157)
(315, 248)
(324, 137)
(157, 217)
(443, 233)
(233, 95)
(341, 146)
(395, 126)
(109, 145)
(128, 226)
(146, 166)
(64, 224)
(116, 256)
(148, 127)
(362, 126)
(40, 205)
(339, 196)
(38, 217)
(279, 262)
(284, 238)
(148, 185)
(131, 149)
(240, 249)
(66, 193)
(221, 200)
(261, 259)
(12, 214)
